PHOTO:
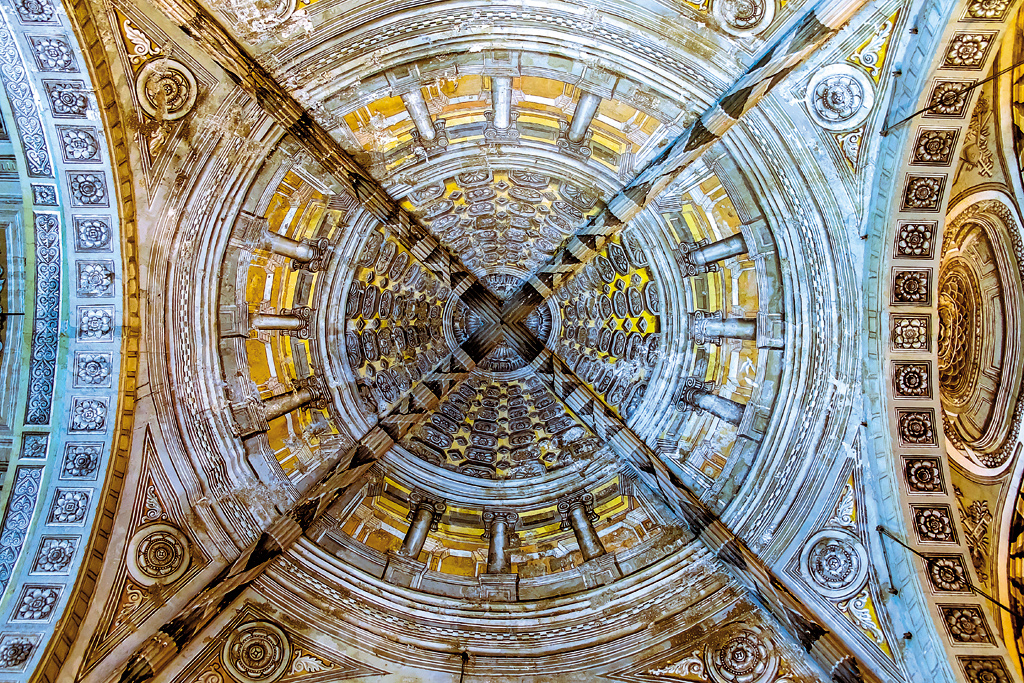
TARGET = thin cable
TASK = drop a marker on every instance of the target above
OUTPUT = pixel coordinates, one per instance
(944, 101)
(974, 589)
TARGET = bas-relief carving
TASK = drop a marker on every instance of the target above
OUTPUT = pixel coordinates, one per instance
(384, 385)
(834, 562)
(167, 84)
(19, 94)
(160, 556)
(45, 336)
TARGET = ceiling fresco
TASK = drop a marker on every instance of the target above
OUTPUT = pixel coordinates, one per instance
(540, 341)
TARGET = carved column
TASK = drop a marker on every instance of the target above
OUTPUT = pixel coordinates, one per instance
(291, 321)
(424, 515)
(696, 394)
(430, 134)
(574, 139)
(578, 514)
(253, 232)
(306, 255)
(501, 121)
(252, 420)
(498, 527)
(307, 390)
(713, 327)
(501, 98)
(251, 415)
(704, 257)
(586, 109)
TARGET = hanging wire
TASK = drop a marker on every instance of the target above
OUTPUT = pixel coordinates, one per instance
(970, 584)
(951, 97)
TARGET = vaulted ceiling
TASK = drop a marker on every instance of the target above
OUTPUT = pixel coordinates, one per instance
(539, 341)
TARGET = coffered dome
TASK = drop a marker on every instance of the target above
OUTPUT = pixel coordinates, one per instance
(538, 341)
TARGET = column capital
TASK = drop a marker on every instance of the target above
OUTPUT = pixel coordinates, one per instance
(303, 313)
(434, 504)
(491, 516)
(436, 146)
(317, 390)
(578, 150)
(684, 252)
(319, 259)
(699, 326)
(691, 390)
(504, 136)
(581, 499)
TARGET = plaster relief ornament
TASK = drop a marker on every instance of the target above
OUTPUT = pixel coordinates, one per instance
(744, 17)
(947, 573)
(985, 670)
(15, 652)
(55, 556)
(34, 11)
(257, 652)
(966, 624)
(53, 54)
(67, 99)
(158, 553)
(36, 603)
(166, 89)
(88, 415)
(840, 97)
(993, 10)
(70, 506)
(968, 50)
(689, 668)
(835, 563)
(923, 475)
(915, 239)
(741, 655)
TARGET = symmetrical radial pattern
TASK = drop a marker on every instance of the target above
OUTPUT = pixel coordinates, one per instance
(545, 341)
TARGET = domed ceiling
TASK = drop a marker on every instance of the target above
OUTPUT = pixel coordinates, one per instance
(543, 341)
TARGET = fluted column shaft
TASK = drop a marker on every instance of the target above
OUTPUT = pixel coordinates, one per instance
(417, 108)
(501, 98)
(586, 108)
